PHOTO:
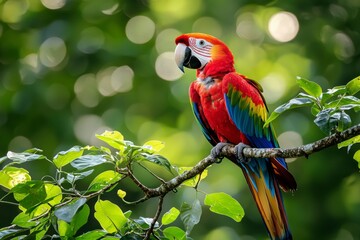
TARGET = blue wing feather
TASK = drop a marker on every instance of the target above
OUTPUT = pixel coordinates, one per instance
(249, 119)
(249, 122)
(207, 131)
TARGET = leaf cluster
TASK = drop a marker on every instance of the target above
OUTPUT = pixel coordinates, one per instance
(56, 207)
(328, 107)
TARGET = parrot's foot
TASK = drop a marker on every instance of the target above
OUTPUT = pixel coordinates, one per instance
(216, 151)
(239, 153)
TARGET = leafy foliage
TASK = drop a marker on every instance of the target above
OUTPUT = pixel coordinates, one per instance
(59, 205)
(329, 107)
(224, 204)
(349, 143)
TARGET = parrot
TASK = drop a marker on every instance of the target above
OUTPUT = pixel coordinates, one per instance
(231, 109)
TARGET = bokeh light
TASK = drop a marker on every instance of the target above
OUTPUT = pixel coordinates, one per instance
(207, 25)
(29, 68)
(19, 144)
(165, 40)
(86, 92)
(13, 10)
(275, 87)
(344, 47)
(140, 29)
(53, 4)
(170, 11)
(248, 28)
(91, 40)
(87, 126)
(114, 80)
(166, 68)
(52, 52)
(283, 26)
(111, 8)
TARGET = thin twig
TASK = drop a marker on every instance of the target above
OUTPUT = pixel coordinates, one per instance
(153, 174)
(137, 182)
(156, 217)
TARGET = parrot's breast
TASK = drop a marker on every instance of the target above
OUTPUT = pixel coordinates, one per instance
(215, 112)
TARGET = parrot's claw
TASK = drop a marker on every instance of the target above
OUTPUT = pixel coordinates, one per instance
(216, 151)
(239, 153)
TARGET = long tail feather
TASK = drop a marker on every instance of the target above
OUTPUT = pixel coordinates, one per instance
(267, 195)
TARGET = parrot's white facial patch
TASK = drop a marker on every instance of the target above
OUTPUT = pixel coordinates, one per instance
(201, 49)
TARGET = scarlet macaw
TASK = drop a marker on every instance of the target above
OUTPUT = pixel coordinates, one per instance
(231, 110)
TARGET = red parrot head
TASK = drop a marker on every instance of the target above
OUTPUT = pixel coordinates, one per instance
(203, 52)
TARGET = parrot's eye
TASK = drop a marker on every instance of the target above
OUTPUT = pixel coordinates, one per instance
(201, 43)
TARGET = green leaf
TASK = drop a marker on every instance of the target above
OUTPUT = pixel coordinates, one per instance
(12, 176)
(310, 87)
(9, 233)
(137, 236)
(329, 120)
(344, 103)
(53, 197)
(357, 157)
(353, 86)
(333, 92)
(190, 215)
(104, 179)
(29, 194)
(315, 109)
(114, 138)
(157, 159)
(344, 120)
(174, 233)
(68, 211)
(3, 159)
(128, 213)
(192, 182)
(224, 204)
(145, 222)
(88, 161)
(110, 216)
(53, 194)
(23, 157)
(325, 122)
(170, 216)
(112, 238)
(63, 228)
(24, 220)
(92, 235)
(293, 103)
(75, 176)
(80, 219)
(39, 231)
(65, 157)
(154, 146)
(349, 142)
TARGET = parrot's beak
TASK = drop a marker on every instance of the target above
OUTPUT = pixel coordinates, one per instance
(182, 55)
(185, 58)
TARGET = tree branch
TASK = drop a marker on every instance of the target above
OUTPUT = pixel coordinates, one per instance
(156, 217)
(228, 151)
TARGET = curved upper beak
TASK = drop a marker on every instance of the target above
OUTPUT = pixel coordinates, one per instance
(182, 55)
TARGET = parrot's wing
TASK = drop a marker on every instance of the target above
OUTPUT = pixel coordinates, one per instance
(199, 115)
(247, 109)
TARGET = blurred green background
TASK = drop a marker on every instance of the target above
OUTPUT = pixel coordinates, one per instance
(70, 69)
